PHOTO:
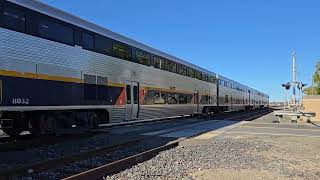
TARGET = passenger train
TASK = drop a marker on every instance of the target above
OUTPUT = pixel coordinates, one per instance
(58, 71)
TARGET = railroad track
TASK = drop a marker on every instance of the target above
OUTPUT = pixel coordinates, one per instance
(52, 163)
(125, 163)
(27, 141)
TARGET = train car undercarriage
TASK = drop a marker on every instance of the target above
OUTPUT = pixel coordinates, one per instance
(52, 122)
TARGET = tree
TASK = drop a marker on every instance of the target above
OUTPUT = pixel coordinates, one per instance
(315, 90)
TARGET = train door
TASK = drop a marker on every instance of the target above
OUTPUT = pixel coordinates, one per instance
(196, 101)
(231, 103)
(132, 106)
(0, 92)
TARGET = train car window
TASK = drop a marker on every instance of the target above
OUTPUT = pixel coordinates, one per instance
(206, 78)
(172, 98)
(185, 98)
(199, 75)
(90, 79)
(191, 73)
(0, 92)
(212, 79)
(102, 80)
(159, 98)
(55, 31)
(171, 66)
(128, 92)
(226, 99)
(103, 45)
(87, 41)
(143, 57)
(121, 51)
(205, 99)
(182, 69)
(90, 88)
(159, 62)
(14, 19)
(135, 94)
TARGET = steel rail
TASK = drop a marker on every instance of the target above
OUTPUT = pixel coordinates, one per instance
(52, 163)
(125, 163)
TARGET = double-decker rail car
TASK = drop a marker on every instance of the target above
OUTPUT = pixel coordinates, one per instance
(58, 71)
(234, 96)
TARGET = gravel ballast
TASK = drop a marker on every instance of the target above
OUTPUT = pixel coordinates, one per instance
(235, 157)
(84, 165)
(215, 153)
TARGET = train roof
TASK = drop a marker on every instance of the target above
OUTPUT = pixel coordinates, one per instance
(72, 19)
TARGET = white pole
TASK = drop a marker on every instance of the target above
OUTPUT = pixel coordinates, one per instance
(294, 78)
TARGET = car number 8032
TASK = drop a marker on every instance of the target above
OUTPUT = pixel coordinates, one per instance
(24, 101)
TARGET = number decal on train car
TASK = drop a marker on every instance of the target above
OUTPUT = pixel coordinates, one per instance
(23, 101)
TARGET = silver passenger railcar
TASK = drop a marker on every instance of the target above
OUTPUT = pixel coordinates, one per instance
(58, 71)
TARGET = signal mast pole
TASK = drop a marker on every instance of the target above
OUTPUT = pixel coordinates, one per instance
(294, 78)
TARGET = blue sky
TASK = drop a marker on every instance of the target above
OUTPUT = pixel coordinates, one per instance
(250, 41)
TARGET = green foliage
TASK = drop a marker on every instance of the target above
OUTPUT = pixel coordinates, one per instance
(315, 90)
(316, 76)
(312, 91)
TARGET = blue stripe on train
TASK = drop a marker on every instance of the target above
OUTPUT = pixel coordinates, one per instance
(36, 92)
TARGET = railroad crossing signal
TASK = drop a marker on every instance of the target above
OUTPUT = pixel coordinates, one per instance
(287, 86)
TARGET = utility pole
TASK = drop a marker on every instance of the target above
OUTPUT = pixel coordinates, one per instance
(294, 79)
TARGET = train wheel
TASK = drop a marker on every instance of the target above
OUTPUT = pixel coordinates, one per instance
(12, 132)
(37, 125)
(18, 125)
(205, 110)
(93, 120)
(43, 125)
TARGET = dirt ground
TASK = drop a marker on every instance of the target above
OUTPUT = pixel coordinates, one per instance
(289, 158)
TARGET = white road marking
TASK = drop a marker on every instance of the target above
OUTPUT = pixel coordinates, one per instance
(300, 129)
(273, 134)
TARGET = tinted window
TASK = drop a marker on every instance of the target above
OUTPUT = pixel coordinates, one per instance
(182, 69)
(185, 98)
(191, 73)
(206, 78)
(205, 99)
(87, 41)
(128, 92)
(199, 75)
(90, 79)
(212, 79)
(159, 98)
(102, 80)
(55, 31)
(172, 98)
(171, 66)
(159, 62)
(103, 45)
(143, 57)
(121, 51)
(135, 94)
(14, 19)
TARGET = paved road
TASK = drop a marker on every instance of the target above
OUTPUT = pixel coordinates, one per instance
(278, 131)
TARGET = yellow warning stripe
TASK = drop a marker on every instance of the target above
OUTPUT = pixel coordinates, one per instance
(75, 80)
(39, 76)
(114, 84)
(59, 78)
